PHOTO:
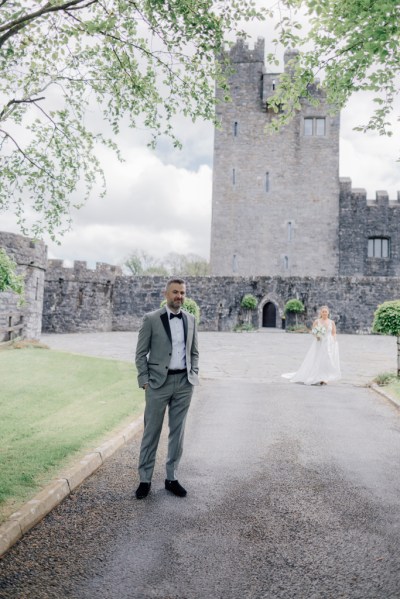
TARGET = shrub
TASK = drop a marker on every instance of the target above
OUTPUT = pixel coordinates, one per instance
(295, 306)
(385, 378)
(9, 280)
(387, 318)
(387, 322)
(249, 302)
(190, 306)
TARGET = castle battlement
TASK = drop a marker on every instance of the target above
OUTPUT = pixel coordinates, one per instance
(359, 194)
(80, 271)
(23, 250)
(241, 52)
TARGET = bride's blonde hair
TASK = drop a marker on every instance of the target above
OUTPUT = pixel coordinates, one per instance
(320, 310)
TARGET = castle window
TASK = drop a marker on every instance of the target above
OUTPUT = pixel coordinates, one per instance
(378, 247)
(285, 262)
(234, 263)
(289, 231)
(235, 128)
(320, 127)
(233, 176)
(315, 126)
(308, 126)
(267, 182)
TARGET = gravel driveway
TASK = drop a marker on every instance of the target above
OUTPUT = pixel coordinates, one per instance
(293, 491)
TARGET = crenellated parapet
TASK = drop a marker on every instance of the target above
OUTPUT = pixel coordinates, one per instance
(369, 233)
(241, 51)
(78, 298)
(352, 195)
(79, 271)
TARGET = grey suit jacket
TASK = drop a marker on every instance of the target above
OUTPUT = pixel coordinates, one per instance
(154, 348)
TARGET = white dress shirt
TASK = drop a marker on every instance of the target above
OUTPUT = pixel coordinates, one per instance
(178, 357)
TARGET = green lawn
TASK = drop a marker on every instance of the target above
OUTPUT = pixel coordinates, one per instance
(393, 388)
(55, 406)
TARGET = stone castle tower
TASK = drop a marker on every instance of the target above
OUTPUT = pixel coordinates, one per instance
(275, 196)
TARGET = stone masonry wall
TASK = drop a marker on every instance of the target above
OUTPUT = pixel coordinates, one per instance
(352, 300)
(82, 300)
(31, 258)
(275, 196)
(361, 219)
(78, 298)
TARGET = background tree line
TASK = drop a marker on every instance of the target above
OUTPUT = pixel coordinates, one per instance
(173, 264)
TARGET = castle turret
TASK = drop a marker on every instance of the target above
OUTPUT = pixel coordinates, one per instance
(275, 196)
(31, 259)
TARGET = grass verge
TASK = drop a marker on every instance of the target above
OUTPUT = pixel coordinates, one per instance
(54, 407)
(390, 382)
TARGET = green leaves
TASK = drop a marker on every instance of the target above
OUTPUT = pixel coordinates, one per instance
(295, 306)
(351, 45)
(9, 279)
(387, 318)
(249, 302)
(120, 61)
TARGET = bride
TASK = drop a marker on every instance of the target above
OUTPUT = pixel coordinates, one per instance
(321, 363)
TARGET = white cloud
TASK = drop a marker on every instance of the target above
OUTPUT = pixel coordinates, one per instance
(150, 205)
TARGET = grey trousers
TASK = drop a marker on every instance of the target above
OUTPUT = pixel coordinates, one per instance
(176, 393)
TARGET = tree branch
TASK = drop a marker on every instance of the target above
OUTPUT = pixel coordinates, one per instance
(25, 155)
(14, 102)
(14, 26)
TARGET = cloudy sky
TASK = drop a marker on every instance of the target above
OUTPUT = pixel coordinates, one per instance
(160, 201)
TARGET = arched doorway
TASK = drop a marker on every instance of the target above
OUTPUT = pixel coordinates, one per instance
(269, 315)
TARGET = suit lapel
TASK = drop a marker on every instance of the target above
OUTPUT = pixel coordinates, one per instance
(185, 325)
(164, 320)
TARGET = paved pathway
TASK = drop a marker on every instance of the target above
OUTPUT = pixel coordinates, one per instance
(294, 492)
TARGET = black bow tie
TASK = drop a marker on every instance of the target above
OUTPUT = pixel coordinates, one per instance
(171, 316)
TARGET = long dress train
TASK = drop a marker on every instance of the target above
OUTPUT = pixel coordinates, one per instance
(321, 363)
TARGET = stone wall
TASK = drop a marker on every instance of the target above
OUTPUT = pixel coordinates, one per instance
(79, 299)
(352, 300)
(361, 219)
(31, 259)
(275, 204)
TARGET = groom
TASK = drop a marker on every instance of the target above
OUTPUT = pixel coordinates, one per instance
(167, 361)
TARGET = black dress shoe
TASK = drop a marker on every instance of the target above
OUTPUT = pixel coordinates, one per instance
(175, 488)
(143, 490)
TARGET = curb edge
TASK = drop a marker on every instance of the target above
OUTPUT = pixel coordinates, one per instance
(380, 391)
(34, 510)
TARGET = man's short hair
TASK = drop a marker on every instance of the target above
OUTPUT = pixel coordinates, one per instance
(176, 281)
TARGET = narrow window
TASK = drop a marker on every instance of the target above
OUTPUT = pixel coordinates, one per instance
(273, 84)
(385, 248)
(370, 248)
(37, 288)
(233, 176)
(289, 231)
(266, 182)
(235, 129)
(286, 262)
(234, 263)
(378, 247)
(308, 126)
(80, 298)
(320, 127)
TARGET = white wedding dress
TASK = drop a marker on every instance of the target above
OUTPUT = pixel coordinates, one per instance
(321, 364)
